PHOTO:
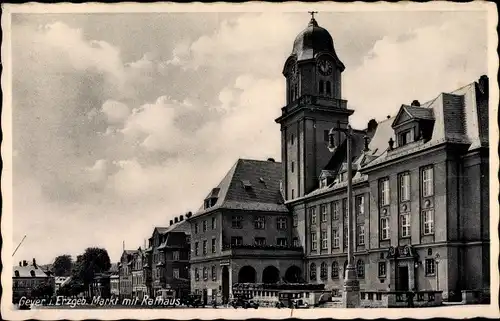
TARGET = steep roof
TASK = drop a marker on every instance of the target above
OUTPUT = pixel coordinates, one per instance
(25, 271)
(250, 185)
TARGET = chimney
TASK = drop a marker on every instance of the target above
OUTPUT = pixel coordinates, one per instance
(415, 103)
(34, 263)
(484, 84)
(189, 214)
(181, 218)
(391, 144)
(25, 263)
(388, 116)
(371, 127)
(176, 220)
(271, 160)
(366, 141)
(171, 222)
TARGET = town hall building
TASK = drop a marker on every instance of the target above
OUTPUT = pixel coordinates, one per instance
(420, 192)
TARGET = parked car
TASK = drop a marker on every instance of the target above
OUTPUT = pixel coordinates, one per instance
(193, 300)
(300, 304)
(244, 303)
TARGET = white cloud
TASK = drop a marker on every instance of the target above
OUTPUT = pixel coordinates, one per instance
(400, 69)
(115, 111)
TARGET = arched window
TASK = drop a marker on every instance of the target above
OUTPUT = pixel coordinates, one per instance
(345, 267)
(196, 274)
(328, 88)
(323, 271)
(296, 90)
(360, 268)
(16, 273)
(321, 86)
(335, 270)
(205, 273)
(312, 272)
(214, 272)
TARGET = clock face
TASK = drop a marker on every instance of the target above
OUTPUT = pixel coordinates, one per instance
(325, 67)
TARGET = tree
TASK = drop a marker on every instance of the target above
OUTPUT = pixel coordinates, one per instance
(94, 260)
(62, 265)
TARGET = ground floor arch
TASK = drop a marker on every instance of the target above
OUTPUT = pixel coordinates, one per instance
(247, 274)
(293, 274)
(271, 274)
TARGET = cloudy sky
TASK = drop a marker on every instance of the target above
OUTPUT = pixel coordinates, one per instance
(122, 121)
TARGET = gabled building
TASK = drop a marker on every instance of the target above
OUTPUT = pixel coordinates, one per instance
(242, 233)
(420, 181)
(166, 261)
(125, 273)
(27, 277)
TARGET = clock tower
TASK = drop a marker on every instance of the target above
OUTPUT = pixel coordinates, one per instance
(314, 105)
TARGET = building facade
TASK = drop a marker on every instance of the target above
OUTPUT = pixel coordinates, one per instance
(242, 233)
(138, 280)
(420, 192)
(125, 274)
(28, 277)
(167, 259)
(420, 181)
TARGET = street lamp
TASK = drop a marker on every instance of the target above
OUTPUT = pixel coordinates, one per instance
(350, 295)
(436, 259)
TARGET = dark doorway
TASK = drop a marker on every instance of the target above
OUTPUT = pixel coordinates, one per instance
(402, 278)
(225, 284)
(270, 275)
(293, 274)
(205, 296)
(247, 274)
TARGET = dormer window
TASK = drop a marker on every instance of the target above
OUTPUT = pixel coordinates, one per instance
(246, 184)
(211, 200)
(323, 182)
(328, 88)
(32, 273)
(405, 137)
(321, 87)
(16, 273)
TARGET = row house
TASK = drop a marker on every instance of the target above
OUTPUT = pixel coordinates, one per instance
(166, 262)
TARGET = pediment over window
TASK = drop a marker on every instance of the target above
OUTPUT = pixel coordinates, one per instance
(413, 123)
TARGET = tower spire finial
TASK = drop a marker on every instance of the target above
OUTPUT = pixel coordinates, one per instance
(313, 22)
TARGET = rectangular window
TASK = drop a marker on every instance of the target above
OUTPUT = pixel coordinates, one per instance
(406, 137)
(293, 167)
(336, 210)
(326, 135)
(296, 242)
(175, 255)
(196, 248)
(361, 235)
(214, 223)
(214, 273)
(281, 223)
(404, 187)
(384, 192)
(324, 240)
(295, 220)
(405, 224)
(260, 241)
(204, 226)
(344, 209)
(281, 241)
(382, 269)
(196, 274)
(260, 223)
(293, 192)
(360, 205)
(236, 222)
(175, 272)
(236, 240)
(292, 139)
(428, 219)
(314, 241)
(335, 239)
(312, 214)
(195, 228)
(214, 246)
(204, 247)
(384, 228)
(345, 237)
(427, 182)
(324, 212)
(430, 267)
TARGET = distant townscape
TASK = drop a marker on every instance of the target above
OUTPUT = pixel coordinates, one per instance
(280, 234)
